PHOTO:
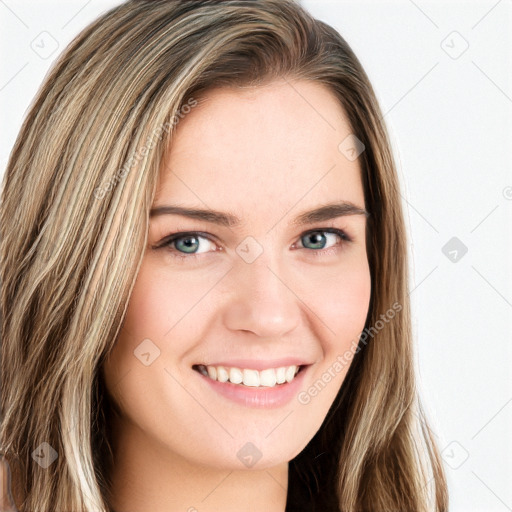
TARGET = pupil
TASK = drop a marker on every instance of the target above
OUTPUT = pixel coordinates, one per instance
(320, 239)
(188, 244)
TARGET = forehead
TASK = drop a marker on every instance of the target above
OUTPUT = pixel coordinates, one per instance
(260, 151)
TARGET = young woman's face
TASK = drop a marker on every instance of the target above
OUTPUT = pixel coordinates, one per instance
(269, 292)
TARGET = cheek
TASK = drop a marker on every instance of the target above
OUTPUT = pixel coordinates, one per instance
(158, 305)
(146, 321)
(166, 309)
(342, 309)
(341, 300)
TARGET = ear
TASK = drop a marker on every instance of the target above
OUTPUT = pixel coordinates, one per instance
(6, 500)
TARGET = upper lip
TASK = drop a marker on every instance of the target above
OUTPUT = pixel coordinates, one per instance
(259, 364)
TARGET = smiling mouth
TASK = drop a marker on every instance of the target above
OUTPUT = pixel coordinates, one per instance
(268, 378)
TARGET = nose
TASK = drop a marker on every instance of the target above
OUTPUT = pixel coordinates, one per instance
(262, 300)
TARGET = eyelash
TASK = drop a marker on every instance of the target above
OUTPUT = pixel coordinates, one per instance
(168, 241)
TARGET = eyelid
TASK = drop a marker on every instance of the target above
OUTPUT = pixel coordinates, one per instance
(167, 242)
(336, 231)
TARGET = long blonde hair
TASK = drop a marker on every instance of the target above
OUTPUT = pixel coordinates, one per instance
(74, 221)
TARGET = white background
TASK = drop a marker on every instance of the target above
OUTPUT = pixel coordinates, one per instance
(442, 74)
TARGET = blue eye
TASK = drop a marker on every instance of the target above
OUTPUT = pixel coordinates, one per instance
(318, 238)
(186, 244)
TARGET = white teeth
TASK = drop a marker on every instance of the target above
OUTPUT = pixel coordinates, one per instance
(235, 376)
(268, 377)
(281, 375)
(290, 373)
(222, 374)
(248, 377)
(251, 378)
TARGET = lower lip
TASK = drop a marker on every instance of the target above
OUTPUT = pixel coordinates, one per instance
(263, 398)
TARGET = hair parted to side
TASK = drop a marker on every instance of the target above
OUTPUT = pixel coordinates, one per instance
(74, 221)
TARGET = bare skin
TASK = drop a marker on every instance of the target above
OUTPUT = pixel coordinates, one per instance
(6, 491)
(266, 155)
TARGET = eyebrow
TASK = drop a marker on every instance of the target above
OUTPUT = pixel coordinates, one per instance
(322, 213)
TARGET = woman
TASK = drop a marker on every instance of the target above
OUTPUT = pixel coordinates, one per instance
(204, 269)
